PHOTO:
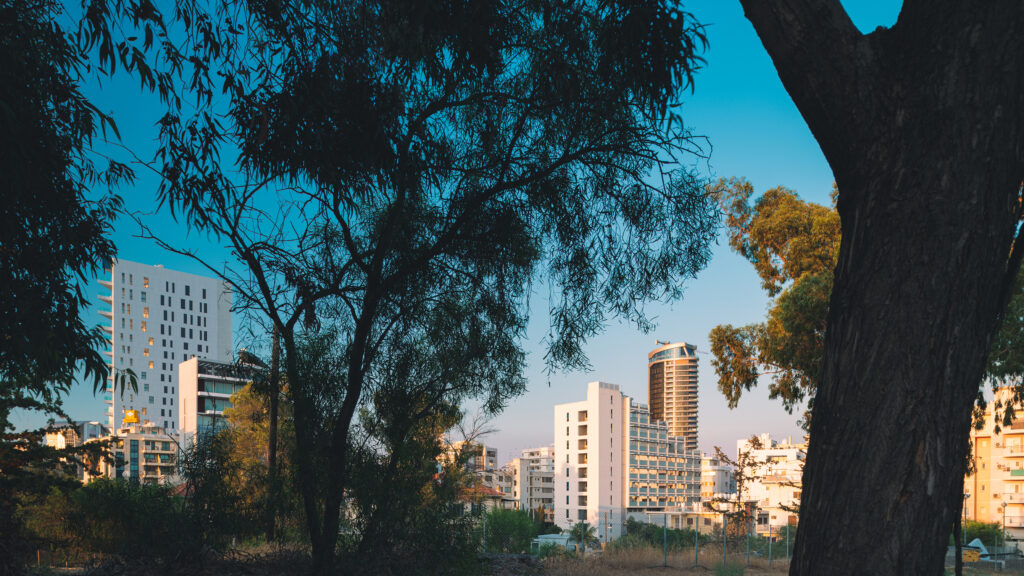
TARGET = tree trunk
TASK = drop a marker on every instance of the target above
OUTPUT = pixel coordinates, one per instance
(958, 550)
(922, 127)
(275, 393)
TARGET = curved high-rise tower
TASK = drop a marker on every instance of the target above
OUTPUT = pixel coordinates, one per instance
(672, 389)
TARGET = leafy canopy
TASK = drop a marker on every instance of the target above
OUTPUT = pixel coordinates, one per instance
(793, 245)
(408, 172)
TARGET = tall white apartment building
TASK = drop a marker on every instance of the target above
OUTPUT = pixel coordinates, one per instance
(158, 319)
(533, 484)
(590, 454)
(778, 482)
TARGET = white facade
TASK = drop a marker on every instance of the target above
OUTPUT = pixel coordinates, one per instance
(205, 388)
(158, 319)
(590, 449)
(533, 484)
(717, 479)
(777, 485)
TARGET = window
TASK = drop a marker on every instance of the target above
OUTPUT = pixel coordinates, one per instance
(131, 325)
(129, 308)
(182, 303)
(145, 387)
(131, 279)
(145, 312)
(151, 400)
(204, 292)
(182, 331)
(189, 304)
(142, 296)
(162, 414)
(143, 411)
(145, 282)
(131, 294)
(188, 290)
(145, 352)
(150, 364)
(143, 374)
(143, 325)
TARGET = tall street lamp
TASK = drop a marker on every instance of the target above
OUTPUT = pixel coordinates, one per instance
(963, 530)
(1004, 522)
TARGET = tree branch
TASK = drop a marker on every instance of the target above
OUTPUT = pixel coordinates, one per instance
(813, 35)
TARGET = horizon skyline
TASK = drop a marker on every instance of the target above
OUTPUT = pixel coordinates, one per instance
(754, 131)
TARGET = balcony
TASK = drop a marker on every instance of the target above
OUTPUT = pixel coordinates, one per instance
(1013, 521)
(106, 284)
(1014, 451)
(107, 299)
(107, 314)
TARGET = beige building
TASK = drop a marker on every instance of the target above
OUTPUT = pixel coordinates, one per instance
(672, 390)
(717, 480)
(482, 462)
(533, 481)
(144, 453)
(995, 492)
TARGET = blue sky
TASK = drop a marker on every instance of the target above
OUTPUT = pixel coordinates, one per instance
(755, 132)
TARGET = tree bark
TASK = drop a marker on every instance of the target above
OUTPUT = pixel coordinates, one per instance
(275, 393)
(958, 550)
(922, 125)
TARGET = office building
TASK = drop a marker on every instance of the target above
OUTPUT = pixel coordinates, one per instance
(672, 390)
(158, 319)
(663, 475)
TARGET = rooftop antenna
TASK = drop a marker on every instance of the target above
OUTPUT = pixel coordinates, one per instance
(662, 342)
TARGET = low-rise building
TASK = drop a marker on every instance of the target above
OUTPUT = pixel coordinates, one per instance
(205, 388)
(144, 453)
(717, 479)
(533, 481)
(777, 482)
(74, 434)
(482, 461)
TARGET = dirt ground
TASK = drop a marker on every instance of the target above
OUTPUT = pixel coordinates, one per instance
(639, 562)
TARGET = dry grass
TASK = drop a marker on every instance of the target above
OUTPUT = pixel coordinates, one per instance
(650, 561)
